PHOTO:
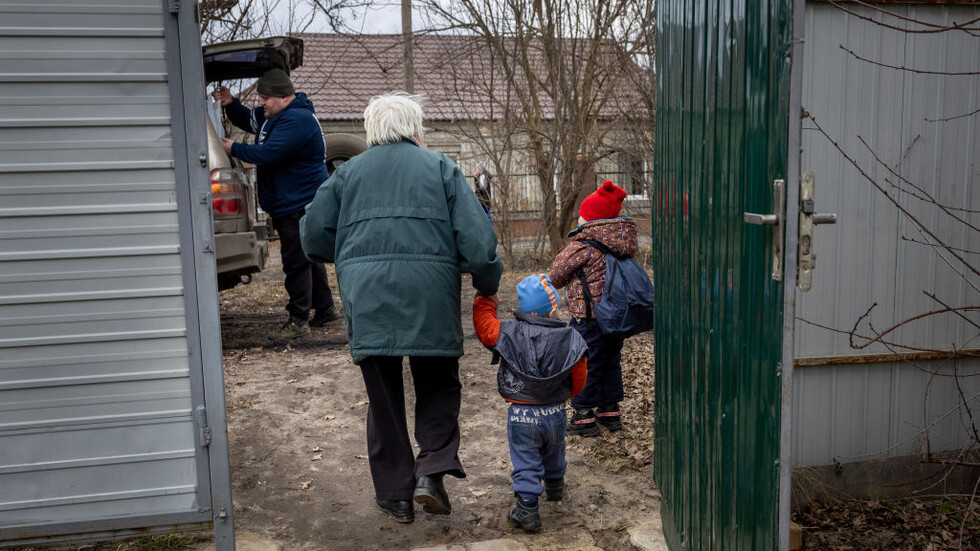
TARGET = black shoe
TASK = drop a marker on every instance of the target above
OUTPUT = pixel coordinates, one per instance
(525, 517)
(609, 417)
(323, 317)
(294, 328)
(402, 509)
(582, 423)
(554, 488)
(432, 496)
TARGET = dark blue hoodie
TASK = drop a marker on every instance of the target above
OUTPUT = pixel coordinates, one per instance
(289, 153)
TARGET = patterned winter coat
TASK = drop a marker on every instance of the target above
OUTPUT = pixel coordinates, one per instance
(618, 234)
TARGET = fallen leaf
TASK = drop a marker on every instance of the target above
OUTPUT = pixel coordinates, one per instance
(316, 449)
(317, 457)
(361, 456)
(305, 484)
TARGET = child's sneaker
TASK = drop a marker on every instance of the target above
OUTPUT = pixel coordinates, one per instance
(609, 417)
(554, 488)
(525, 515)
(582, 423)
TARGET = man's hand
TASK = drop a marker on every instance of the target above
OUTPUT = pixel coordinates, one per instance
(222, 95)
(226, 145)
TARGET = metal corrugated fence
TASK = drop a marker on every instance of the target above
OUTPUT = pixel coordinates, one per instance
(95, 400)
(918, 124)
(722, 140)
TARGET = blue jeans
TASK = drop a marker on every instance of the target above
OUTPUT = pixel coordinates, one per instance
(537, 446)
(604, 385)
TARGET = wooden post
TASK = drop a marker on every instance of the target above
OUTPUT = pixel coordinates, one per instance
(795, 536)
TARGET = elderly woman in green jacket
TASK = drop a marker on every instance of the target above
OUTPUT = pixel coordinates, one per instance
(401, 224)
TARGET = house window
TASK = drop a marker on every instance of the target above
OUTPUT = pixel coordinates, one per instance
(631, 174)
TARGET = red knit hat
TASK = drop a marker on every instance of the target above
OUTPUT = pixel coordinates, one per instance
(603, 203)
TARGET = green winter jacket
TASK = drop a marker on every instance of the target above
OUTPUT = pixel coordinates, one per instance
(401, 224)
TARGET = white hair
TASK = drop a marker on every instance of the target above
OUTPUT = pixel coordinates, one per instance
(391, 117)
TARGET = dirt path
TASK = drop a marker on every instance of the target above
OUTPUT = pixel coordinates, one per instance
(298, 452)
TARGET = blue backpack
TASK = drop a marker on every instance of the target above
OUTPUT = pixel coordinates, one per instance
(626, 306)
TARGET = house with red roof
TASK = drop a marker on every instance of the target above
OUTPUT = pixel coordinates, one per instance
(466, 104)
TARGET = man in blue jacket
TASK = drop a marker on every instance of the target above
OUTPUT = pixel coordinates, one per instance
(289, 154)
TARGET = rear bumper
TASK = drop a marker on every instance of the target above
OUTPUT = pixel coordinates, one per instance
(240, 253)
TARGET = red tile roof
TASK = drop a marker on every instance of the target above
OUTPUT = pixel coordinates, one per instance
(341, 73)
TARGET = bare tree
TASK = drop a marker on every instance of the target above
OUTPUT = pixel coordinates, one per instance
(227, 20)
(561, 79)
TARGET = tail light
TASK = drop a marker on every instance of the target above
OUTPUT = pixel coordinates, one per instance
(227, 196)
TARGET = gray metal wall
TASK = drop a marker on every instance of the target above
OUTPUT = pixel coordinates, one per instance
(858, 410)
(100, 367)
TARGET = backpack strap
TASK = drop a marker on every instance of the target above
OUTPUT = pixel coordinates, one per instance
(610, 278)
(602, 248)
(581, 275)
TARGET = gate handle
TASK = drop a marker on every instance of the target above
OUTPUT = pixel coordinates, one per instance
(808, 218)
(775, 220)
(828, 218)
(761, 219)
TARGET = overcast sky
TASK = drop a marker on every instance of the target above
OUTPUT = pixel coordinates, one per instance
(382, 17)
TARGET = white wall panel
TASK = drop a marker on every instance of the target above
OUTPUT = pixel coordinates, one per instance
(867, 257)
(96, 413)
(855, 411)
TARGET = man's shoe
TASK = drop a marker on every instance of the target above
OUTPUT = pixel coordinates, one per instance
(554, 488)
(323, 317)
(525, 517)
(294, 328)
(609, 417)
(402, 510)
(582, 423)
(432, 496)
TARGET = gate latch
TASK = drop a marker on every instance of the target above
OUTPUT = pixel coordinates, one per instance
(808, 218)
(775, 220)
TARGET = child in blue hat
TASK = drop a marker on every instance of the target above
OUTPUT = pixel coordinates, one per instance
(542, 364)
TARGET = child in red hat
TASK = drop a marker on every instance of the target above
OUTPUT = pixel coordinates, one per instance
(599, 220)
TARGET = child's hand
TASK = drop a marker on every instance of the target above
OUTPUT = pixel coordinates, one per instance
(493, 297)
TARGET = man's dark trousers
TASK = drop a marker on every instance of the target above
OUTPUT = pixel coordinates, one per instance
(394, 467)
(306, 281)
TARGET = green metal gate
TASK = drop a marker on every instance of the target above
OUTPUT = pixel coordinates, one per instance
(723, 137)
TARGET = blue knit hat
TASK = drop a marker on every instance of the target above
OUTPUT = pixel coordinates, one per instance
(536, 295)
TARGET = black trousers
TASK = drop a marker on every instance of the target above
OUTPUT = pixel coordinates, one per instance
(394, 466)
(604, 384)
(306, 281)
